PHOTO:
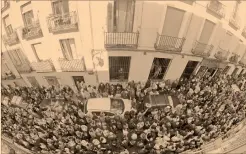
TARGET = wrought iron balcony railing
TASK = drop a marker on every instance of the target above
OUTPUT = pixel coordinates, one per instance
(73, 65)
(32, 31)
(62, 22)
(222, 54)
(5, 6)
(234, 58)
(169, 43)
(43, 66)
(217, 8)
(244, 32)
(235, 21)
(202, 49)
(121, 40)
(11, 39)
(24, 68)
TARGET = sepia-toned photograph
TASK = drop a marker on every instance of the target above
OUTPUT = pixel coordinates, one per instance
(123, 77)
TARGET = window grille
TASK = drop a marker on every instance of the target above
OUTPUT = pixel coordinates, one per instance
(235, 72)
(119, 68)
(159, 68)
(189, 69)
(226, 70)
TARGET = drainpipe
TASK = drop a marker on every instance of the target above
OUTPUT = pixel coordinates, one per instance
(92, 42)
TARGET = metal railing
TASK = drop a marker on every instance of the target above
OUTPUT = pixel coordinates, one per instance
(43, 66)
(202, 49)
(244, 32)
(11, 39)
(32, 31)
(6, 5)
(169, 43)
(221, 54)
(62, 22)
(121, 39)
(234, 58)
(74, 65)
(216, 7)
(235, 21)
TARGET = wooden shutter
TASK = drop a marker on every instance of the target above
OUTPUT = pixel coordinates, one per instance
(110, 18)
(65, 6)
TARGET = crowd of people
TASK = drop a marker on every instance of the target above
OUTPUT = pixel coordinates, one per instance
(209, 107)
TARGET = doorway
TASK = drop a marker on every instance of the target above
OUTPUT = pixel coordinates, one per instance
(202, 70)
(52, 81)
(189, 69)
(211, 72)
(33, 81)
(77, 80)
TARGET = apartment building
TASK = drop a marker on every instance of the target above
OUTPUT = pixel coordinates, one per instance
(61, 42)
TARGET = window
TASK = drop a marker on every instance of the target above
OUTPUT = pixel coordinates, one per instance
(225, 71)
(7, 25)
(172, 27)
(37, 50)
(189, 69)
(119, 68)
(60, 7)
(123, 15)
(17, 57)
(241, 72)
(234, 72)
(159, 68)
(68, 48)
(117, 105)
(52, 80)
(28, 18)
(202, 70)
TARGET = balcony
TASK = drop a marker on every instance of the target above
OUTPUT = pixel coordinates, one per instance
(244, 32)
(43, 66)
(32, 31)
(62, 22)
(202, 49)
(221, 54)
(234, 22)
(5, 6)
(234, 58)
(169, 43)
(216, 8)
(24, 68)
(73, 65)
(11, 39)
(121, 40)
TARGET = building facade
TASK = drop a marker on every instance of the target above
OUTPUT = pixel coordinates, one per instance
(60, 42)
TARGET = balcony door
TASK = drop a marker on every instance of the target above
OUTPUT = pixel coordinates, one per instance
(123, 15)
(207, 31)
(28, 18)
(173, 20)
(7, 25)
(68, 48)
(189, 69)
(60, 7)
(16, 57)
(159, 68)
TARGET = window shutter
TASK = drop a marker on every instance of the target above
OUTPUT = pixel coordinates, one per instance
(65, 6)
(110, 17)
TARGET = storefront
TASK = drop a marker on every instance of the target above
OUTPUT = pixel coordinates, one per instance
(211, 67)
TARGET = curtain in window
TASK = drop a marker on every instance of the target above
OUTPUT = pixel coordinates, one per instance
(66, 49)
(28, 18)
(8, 26)
(124, 14)
(16, 57)
(60, 7)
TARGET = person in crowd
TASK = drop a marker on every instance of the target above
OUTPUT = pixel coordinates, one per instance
(208, 108)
